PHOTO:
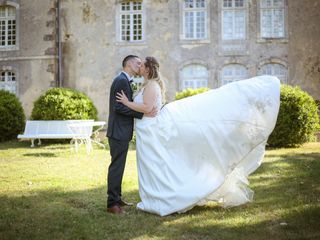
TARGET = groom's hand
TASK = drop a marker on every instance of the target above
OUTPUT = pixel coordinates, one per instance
(153, 112)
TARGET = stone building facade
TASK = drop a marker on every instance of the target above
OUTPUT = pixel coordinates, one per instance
(197, 42)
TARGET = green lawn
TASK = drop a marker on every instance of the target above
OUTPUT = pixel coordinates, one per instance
(51, 192)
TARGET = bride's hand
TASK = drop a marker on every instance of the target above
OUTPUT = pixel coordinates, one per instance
(121, 97)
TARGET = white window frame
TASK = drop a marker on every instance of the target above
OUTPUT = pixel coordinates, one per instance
(9, 81)
(234, 77)
(194, 80)
(131, 13)
(234, 9)
(272, 9)
(6, 19)
(194, 11)
(272, 65)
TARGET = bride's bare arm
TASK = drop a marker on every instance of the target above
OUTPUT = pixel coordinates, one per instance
(149, 100)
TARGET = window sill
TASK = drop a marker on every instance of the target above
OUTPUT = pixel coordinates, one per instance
(194, 41)
(137, 43)
(272, 40)
(13, 48)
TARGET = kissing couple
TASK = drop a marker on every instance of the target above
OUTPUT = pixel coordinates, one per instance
(190, 151)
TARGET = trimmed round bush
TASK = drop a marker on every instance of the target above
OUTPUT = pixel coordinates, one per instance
(298, 118)
(12, 117)
(63, 104)
(189, 92)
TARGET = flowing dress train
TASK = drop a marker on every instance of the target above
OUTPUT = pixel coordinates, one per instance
(202, 148)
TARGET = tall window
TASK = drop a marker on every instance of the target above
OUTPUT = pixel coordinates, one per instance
(8, 81)
(194, 76)
(233, 72)
(131, 22)
(7, 26)
(272, 18)
(274, 69)
(194, 19)
(234, 19)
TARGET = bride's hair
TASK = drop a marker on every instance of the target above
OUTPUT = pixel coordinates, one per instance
(153, 66)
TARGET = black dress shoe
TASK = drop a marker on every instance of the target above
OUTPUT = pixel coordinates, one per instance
(124, 203)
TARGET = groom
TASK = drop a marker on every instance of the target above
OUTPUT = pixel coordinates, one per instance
(119, 132)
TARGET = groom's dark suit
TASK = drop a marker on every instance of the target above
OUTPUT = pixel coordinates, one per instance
(119, 133)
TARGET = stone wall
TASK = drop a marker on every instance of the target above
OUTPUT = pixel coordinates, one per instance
(304, 45)
(93, 55)
(34, 57)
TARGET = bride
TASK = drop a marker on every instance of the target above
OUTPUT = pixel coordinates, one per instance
(201, 148)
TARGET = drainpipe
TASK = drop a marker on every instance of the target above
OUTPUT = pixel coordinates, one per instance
(59, 44)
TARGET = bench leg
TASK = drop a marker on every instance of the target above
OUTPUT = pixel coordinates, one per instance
(88, 145)
(39, 143)
(32, 142)
(76, 144)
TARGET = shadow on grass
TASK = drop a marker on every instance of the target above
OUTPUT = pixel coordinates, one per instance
(13, 144)
(50, 144)
(294, 225)
(298, 178)
(286, 206)
(82, 215)
(42, 154)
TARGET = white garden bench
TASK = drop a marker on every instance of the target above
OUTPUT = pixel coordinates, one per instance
(76, 130)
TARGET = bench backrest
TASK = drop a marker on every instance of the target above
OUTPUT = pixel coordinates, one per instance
(54, 127)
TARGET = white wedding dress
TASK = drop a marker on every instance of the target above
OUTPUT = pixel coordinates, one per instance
(202, 148)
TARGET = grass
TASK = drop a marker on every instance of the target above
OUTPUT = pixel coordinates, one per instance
(51, 192)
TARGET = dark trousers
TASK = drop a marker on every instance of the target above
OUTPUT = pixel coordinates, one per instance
(118, 151)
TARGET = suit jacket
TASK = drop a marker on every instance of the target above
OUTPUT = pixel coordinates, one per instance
(121, 118)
